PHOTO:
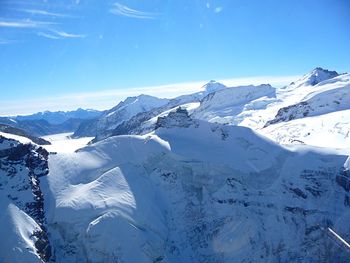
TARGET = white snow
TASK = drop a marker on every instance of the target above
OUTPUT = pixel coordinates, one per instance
(64, 143)
(127, 197)
(129, 108)
(103, 202)
(21, 139)
(224, 105)
(330, 130)
(17, 242)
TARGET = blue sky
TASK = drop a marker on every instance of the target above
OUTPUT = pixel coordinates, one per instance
(54, 49)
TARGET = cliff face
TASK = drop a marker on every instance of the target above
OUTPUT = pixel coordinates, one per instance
(21, 167)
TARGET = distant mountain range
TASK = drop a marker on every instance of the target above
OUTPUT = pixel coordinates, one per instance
(44, 123)
(59, 117)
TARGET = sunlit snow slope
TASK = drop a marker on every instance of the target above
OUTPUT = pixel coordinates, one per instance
(197, 192)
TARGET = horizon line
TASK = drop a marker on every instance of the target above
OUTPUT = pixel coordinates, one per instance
(107, 98)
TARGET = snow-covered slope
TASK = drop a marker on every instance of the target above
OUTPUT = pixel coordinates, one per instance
(223, 106)
(125, 110)
(329, 96)
(194, 191)
(319, 116)
(330, 130)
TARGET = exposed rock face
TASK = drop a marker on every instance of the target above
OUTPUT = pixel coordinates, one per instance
(178, 118)
(292, 112)
(21, 167)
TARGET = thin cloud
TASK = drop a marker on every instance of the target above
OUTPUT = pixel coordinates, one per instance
(218, 9)
(63, 34)
(43, 34)
(123, 10)
(59, 35)
(24, 24)
(43, 13)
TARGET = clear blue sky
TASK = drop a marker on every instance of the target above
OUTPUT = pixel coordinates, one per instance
(51, 48)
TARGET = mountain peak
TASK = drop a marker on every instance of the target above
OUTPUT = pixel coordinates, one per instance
(213, 86)
(317, 75)
(321, 71)
(142, 98)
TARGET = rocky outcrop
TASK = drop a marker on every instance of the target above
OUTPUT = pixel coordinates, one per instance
(21, 167)
(178, 118)
(292, 112)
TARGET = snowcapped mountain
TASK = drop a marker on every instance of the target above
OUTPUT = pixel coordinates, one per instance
(322, 112)
(314, 77)
(213, 86)
(59, 117)
(328, 96)
(224, 105)
(145, 122)
(125, 110)
(45, 123)
(138, 115)
(227, 174)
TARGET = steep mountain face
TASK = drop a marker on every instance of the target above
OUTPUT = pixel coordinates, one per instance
(23, 219)
(59, 117)
(124, 111)
(194, 191)
(314, 77)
